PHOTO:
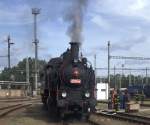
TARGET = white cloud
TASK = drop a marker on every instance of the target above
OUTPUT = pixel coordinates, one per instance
(101, 22)
(20, 14)
(138, 5)
(131, 8)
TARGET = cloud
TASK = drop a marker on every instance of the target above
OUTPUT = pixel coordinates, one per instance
(128, 8)
(21, 14)
(128, 44)
(124, 22)
(101, 22)
(124, 44)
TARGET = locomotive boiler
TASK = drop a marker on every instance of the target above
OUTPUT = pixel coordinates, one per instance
(68, 84)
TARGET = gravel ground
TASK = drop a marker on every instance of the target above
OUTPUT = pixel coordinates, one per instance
(34, 115)
(107, 121)
(144, 111)
(37, 115)
(102, 106)
(6, 104)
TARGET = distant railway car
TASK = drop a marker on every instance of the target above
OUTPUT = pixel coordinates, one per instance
(147, 91)
(69, 84)
(134, 89)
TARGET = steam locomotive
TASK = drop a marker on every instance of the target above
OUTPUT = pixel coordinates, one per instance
(68, 84)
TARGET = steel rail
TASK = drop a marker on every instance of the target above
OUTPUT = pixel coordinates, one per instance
(10, 109)
(135, 117)
(106, 102)
(10, 106)
(88, 122)
(19, 100)
(127, 117)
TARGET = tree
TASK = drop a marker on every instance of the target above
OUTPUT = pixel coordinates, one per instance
(19, 71)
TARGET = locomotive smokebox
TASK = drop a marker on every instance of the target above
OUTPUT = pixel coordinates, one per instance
(74, 50)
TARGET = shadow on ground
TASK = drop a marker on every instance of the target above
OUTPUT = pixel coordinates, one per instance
(40, 112)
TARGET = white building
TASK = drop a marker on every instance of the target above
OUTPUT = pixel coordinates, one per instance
(102, 91)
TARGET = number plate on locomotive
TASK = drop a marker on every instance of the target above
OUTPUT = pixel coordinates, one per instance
(75, 81)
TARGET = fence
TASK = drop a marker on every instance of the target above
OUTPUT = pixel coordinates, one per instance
(14, 89)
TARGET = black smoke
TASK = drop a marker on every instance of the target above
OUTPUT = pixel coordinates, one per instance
(74, 16)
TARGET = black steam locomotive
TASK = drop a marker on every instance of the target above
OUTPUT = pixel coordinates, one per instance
(68, 84)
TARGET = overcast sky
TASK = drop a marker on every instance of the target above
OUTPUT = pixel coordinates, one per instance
(126, 23)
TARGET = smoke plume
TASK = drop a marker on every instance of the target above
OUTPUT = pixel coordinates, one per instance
(74, 16)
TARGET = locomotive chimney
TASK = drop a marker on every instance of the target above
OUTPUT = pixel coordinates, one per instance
(74, 50)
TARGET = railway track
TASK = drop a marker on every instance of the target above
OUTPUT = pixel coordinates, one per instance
(135, 118)
(126, 117)
(18, 100)
(106, 102)
(8, 109)
(78, 123)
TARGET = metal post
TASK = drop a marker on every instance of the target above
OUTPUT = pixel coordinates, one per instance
(114, 77)
(134, 79)
(130, 79)
(146, 76)
(120, 80)
(95, 75)
(121, 77)
(27, 75)
(9, 44)
(142, 79)
(8, 51)
(108, 68)
(95, 66)
(35, 12)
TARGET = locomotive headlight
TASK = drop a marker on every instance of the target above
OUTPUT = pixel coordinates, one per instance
(64, 94)
(87, 94)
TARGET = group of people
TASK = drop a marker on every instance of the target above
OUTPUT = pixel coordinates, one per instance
(118, 99)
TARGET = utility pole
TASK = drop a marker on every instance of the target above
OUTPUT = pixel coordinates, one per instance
(134, 79)
(114, 77)
(95, 66)
(35, 12)
(121, 76)
(27, 75)
(120, 80)
(9, 44)
(108, 68)
(146, 76)
(130, 79)
(142, 80)
(95, 75)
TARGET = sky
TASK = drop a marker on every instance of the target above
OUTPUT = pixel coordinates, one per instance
(125, 23)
